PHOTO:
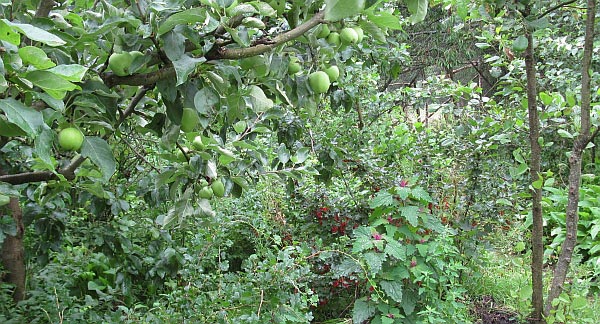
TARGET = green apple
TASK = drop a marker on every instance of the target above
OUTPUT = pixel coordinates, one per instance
(119, 63)
(323, 31)
(206, 193)
(189, 119)
(334, 39)
(333, 72)
(319, 81)
(294, 67)
(348, 36)
(197, 143)
(218, 188)
(70, 139)
(359, 31)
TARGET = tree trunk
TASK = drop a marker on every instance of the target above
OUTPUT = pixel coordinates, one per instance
(13, 258)
(572, 212)
(537, 232)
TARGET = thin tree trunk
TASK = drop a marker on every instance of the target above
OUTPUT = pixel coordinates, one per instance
(572, 212)
(537, 246)
(12, 253)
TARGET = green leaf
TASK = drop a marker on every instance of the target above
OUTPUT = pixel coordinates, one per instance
(301, 155)
(184, 66)
(36, 34)
(546, 98)
(520, 44)
(393, 289)
(339, 9)
(374, 261)
(385, 19)
(43, 147)
(564, 134)
(579, 303)
(259, 100)
(205, 100)
(194, 15)
(374, 31)
(98, 151)
(409, 301)
(4, 200)
(382, 199)
(70, 72)
(27, 119)
(395, 249)
(420, 194)
(8, 34)
(53, 84)
(418, 10)
(362, 311)
(36, 57)
(283, 154)
(411, 213)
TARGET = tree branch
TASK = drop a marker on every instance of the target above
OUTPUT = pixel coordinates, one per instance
(44, 8)
(558, 6)
(216, 53)
(69, 171)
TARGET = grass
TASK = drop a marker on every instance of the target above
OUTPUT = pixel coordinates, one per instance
(506, 276)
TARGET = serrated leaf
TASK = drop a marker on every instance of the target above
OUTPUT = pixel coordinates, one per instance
(98, 151)
(36, 34)
(362, 311)
(393, 289)
(420, 194)
(361, 243)
(395, 249)
(374, 261)
(194, 15)
(409, 301)
(26, 118)
(411, 214)
(382, 199)
(339, 9)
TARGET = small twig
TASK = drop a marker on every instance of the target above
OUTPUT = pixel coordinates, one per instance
(262, 295)
(558, 6)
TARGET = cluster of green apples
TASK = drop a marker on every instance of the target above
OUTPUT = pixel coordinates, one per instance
(345, 36)
(215, 189)
(121, 63)
(320, 81)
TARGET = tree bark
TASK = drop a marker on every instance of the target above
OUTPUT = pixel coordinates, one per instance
(537, 232)
(13, 259)
(572, 212)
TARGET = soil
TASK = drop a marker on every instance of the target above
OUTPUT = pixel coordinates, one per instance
(487, 311)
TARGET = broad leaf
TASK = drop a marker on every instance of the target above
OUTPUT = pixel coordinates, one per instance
(393, 289)
(374, 261)
(362, 311)
(411, 214)
(184, 66)
(28, 119)
(385, 19)
(395, 249)
(70, 72)
(36, 34)
(339, 9)
(194, 15)
(382, 199)
(259, 100)
(36, 57)
(53, 84)
(418, 10)
(8, 34)
(43, 148)
(98, 151)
